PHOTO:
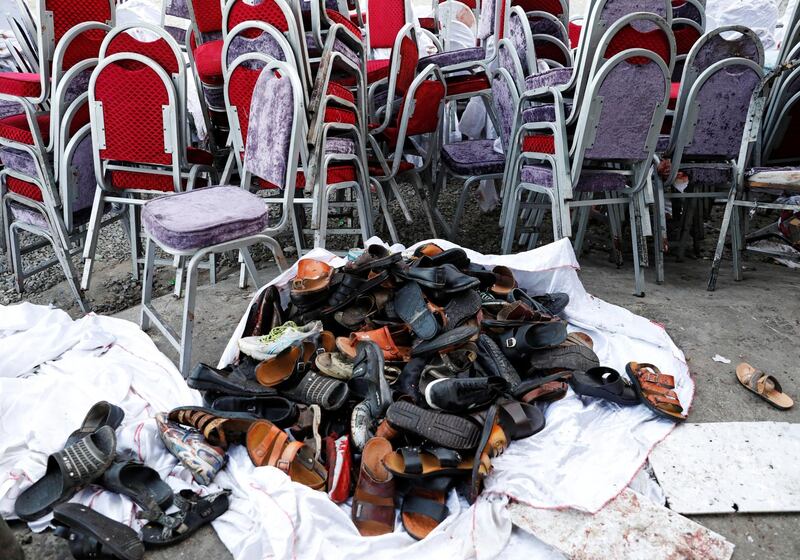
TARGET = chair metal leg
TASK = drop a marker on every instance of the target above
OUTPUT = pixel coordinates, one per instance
(242, 273)
(384, 206)
(15, 257)
(185, 358)
(511, 221)
(424, 200)
(250, 266)
(690, 208)
(723, 234)
(737, 243)
(69, 271)
(583, 222)
(147, 282)
(275, 247)
(638, 273)
(660, 233)
(401, 201)
(134, 237)
(92, 233)
(212, 269)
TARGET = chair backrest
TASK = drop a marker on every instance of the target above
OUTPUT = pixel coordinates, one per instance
(393, 15)
(620, 122)
(493, 16)
(780, 144)
(128, 88)
(542, 23)
(557, 8)
(521, 37)
(206, 16)
(506, 97)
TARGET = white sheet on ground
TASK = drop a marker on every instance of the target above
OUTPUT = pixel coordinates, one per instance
(587, 454)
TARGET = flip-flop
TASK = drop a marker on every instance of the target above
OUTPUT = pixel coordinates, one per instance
(412, 308)
(67, 472)
(424, 507)
(101, 414)
(427, 462)
(94, 534)
(140, 483)
(193, 512)
(518, 344)
(604, 383)
(765, 386)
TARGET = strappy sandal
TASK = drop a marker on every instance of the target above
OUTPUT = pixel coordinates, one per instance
(220, 428)
(526, 390)
(141, 484)
(68, 471)
(269, 445)
(101, 414)
(193, 512)
(426, 462)
(655, 390)
(390, 339)
(312, 276)
(518, 344)
(519, 420)
(93, 535)
(189, 446)
(604, 383)
(493, 442)
(765, 386)
(293, 360)
(574, 354)
(373, 500)
(424, 506)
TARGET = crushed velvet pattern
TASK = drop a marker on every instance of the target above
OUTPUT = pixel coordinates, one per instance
(549, 78)
(336, 145)
(723, 102)
(542, 26)
(590, 181)
(616, 9)
(8, 108)
(506, 60)
(543, 113)
(82, 166)
(486, 21)
(78, 85)
(504, 105)
(19, 161)
(719, 175)
(262, 43)
(630, 94)
(449, 58)
(28, 215)
(270, 127)
(516, 33)
(178, 8)
(204, 217)
(716, 48)
(215, 97)
(687, 10)
(473, 157)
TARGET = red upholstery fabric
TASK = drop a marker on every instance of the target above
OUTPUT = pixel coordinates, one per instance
(336, 17)
(630, 38)
(198, 156)
(267, 11)
(542, 143)
(83, 46)
(340, 91)
(336, 115)
(383, 30)
(409, 57)
(132, 114)
(124, 180)
(376, 169)
(159, 51)
(550, 6)
(20, 84)
(674, 90)
(16, 128)
(208, 61)
(574, 30)
(341, 173)
(428, 23)
(376, 70)
(207, 15)
(471, 83)
(685, 38)
(427, 100)
(471, 4)
(240, 92)
(24, 188)
(550, 51)
(69, 13)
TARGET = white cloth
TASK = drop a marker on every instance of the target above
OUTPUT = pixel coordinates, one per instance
(759, 15)
(589, 451)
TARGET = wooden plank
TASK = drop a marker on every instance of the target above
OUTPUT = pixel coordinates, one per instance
(787, 179)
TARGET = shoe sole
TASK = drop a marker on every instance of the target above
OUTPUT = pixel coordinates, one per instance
(447, 430)
(118, 538)
(573, 358)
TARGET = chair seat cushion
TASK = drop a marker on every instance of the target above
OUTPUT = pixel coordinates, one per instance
(20, 84)
(719, 175)
(590, 181)
(473, 157)
(674, 90)
(16, 128)
(554, 77)
(451, 58)
(208, 61)
(539, 143)
(204, 217)
(24, 188)
(543, 113)
(377, 70)
(468, 83)
(376, 169)
(25, 214)
(336, 17)
(337, 115)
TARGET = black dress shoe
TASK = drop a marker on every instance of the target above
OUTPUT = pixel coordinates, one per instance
(453, 394)
(495, 363)
(239, 381)
(280, 411)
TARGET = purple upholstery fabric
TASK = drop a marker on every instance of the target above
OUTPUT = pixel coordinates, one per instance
(687, 11)
(616, 9)
(262, 43)
(722, 104)
(717, 176)
(506, 61)
(178, 8)
(177, 33)
(554, 77)
(516, 33)
(336, 145)
(270, 128)
(662, 144)
(214, 96)
(449, 58)
(504, 105)
(211, 36)
(8, 108)
(473, 157)
(19, 161)
(85, 181)
(78, 85)
(340, 47)
(590, 181)
(630, 94)
(716, 48)
(542, 26)
(27, 215)
(204, 217)
(486, 23)
(543, 113)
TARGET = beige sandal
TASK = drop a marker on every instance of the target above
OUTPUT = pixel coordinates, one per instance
(763, 385)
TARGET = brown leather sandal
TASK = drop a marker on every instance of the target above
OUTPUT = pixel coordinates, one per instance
(390, 340)
(268, 445)
(656, 390)
(373, 500)
(280, 368)
(220, 428)
(312, 276)
(763, 385)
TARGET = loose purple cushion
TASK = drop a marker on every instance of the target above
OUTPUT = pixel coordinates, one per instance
(449, 58)
(473, 157)
(24, 214)
(204, 217)
(554, 77)
(589, 182)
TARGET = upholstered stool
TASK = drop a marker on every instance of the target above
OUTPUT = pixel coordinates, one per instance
(195, 224)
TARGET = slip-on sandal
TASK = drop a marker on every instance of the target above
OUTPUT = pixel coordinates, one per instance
(68, 471)
(193, 512)
(509, 315)
(428, 250)
(455, 256)
(373, 258)
(443, 280)
(293, 359)
(239, 381)
(455, 363)
(493, 441)
(279, 410)
(552, 304)
(518, 344)
(189, 446)
(547, 392)
(655, 390)
(412, 308)
(350, 287)
(763, 385)
(504, 281)
(424, 507)
(335, 364)
(100, 414)
(373, 500)
(220, 428)
(461, 394)
(265, 313)
(527, 386)
(419, 462)
(313, 388)
(495, 363)
(93, 535)
(574, 354)
(268, 445)
(440, 428)
(447, 341)
(604, 383)
(141, 484)
(519, 420)
(312, 276)
(389, 338)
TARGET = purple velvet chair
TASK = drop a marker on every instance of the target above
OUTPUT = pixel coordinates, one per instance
(610, 152)
(198, 223)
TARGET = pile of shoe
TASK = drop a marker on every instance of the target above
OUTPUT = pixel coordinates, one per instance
(90, 457)
(420, 369)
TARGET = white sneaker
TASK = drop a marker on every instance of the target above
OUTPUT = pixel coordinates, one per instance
(280, 338)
